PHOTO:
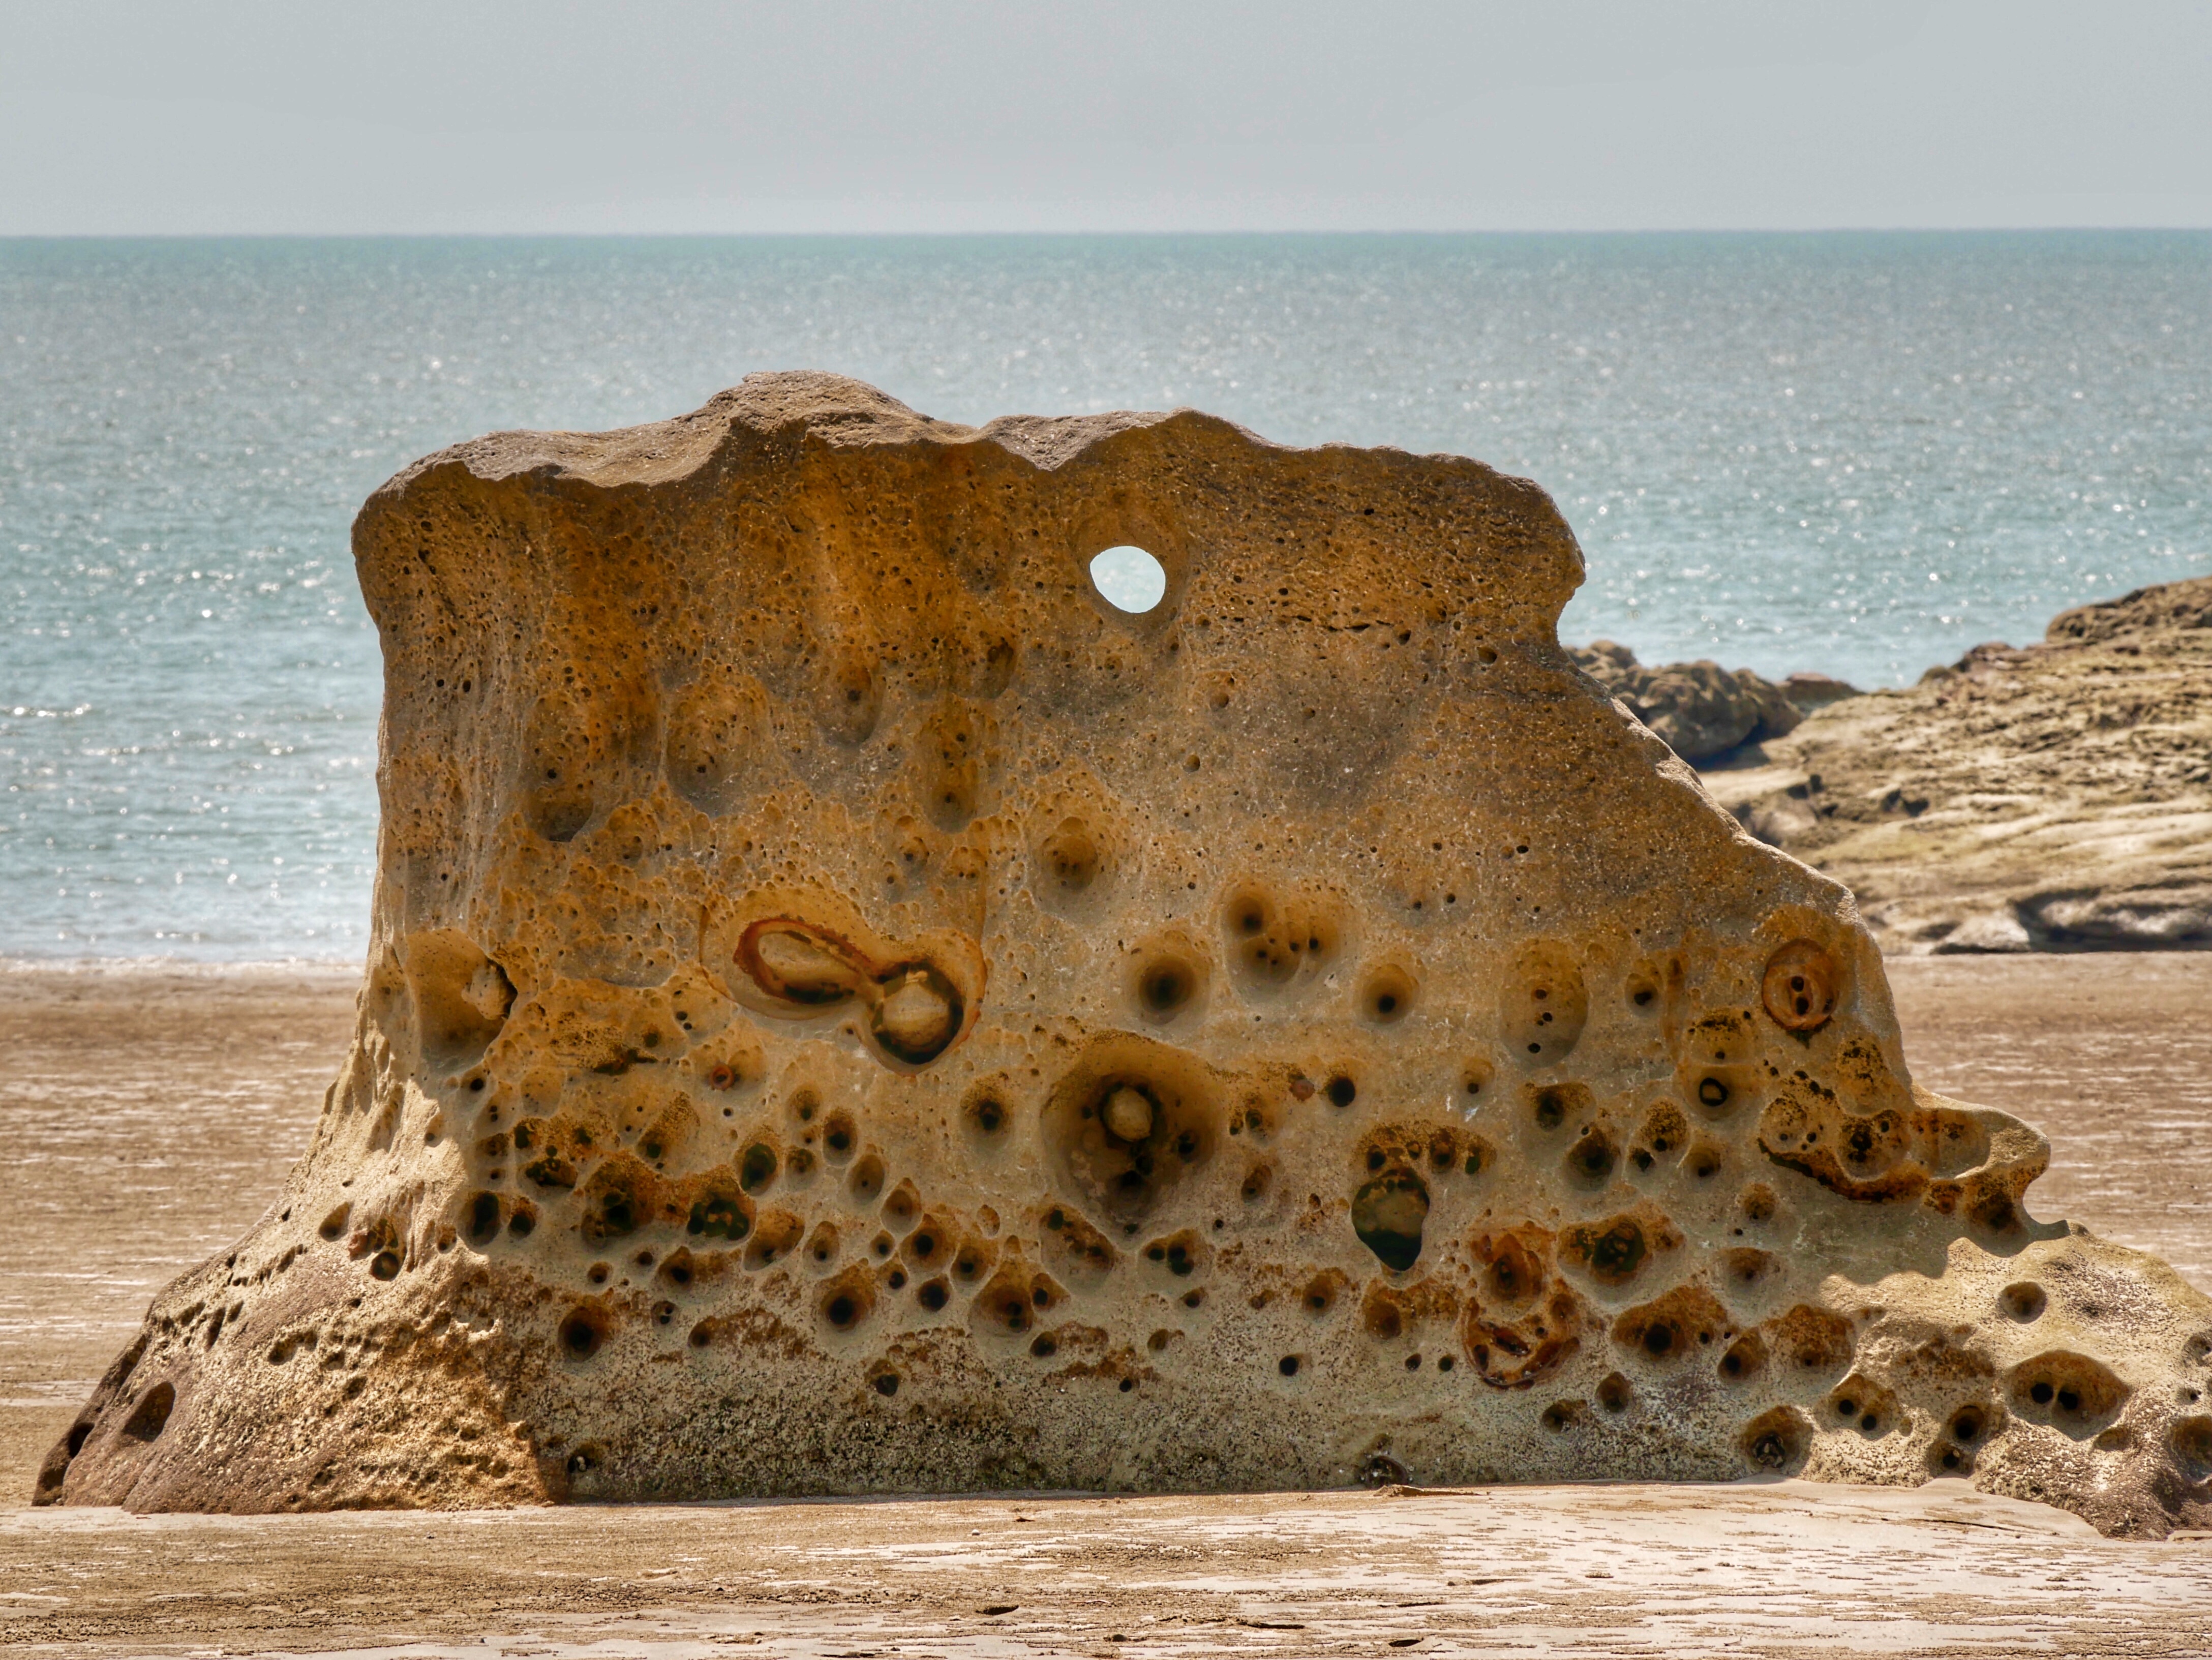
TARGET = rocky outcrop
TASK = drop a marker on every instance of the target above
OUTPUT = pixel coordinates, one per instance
(2051, 796)
(1702, 710)
(852, 1011)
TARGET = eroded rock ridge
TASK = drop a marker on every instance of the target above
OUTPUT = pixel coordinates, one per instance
(2051, 797)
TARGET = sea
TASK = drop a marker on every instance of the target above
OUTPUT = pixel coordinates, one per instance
(1856, 453)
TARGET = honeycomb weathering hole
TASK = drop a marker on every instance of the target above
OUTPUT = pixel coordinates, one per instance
(1389, 1213)
(915, 1009)
(1129, 1126)
(2023, 1300)
(1800, 986)
(1129, 579)
(1544, 1003)
(2071, 1392)
(1386, 996)
(1776, 1442)
(582, 1333)
(843, 988)
(1168, 984)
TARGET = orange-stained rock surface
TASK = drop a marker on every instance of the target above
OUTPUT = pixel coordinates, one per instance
(851, 1011)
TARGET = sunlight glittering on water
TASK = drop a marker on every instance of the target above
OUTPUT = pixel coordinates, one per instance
(1855, 453)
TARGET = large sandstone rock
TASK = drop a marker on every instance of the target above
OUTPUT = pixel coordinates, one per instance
(852, 1011)
(2054, 797)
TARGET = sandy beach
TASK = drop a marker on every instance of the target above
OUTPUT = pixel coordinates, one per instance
(156, 1112)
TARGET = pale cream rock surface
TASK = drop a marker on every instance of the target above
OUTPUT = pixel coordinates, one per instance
(791, 870)
(2052, 797)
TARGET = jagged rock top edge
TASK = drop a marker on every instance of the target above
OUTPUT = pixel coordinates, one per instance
(845, 412)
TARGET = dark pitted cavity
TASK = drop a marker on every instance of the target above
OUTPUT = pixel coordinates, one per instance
(987, 1114)
(1386, 996)
(756, 1168)
(902, 1207)
(1775, 1443)
(582, 1333)
(719, 1216)
(1128, 1125)
(842, 1309)
(1166, 987)
(1389, 1213)
(1612, 1251)
(484, 1219)
(2023, 1300)
(1592, 1158)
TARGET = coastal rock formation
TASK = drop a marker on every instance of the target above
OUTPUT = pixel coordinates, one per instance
(852, 1011)
(2051, 796)
(1701, 709)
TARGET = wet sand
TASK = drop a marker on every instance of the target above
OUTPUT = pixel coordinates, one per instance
(151, 1117)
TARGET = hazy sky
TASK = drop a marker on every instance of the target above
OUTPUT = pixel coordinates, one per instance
(535, 115)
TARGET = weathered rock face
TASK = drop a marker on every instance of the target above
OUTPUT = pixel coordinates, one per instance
(1701, 709)
(2051, 797)
(851, 1011)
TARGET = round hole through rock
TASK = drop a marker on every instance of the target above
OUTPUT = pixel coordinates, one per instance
(1129, 579)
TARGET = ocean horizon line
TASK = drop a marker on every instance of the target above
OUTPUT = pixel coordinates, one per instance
(1156, 234)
